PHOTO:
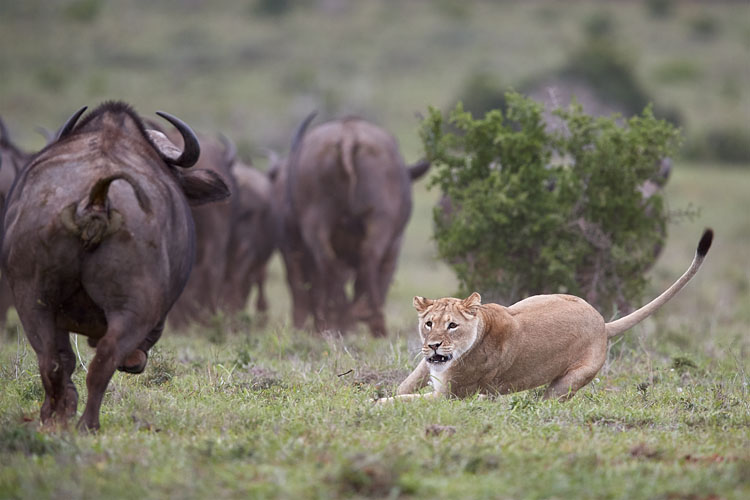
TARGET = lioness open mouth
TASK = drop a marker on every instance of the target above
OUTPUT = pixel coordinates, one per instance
(439, 358)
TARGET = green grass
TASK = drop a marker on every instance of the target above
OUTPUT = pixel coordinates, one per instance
(270, 412)
(277, 413)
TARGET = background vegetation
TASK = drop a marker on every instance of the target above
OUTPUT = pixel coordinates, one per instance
(239, 410)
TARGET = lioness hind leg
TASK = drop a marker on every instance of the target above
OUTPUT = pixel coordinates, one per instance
(565, 387)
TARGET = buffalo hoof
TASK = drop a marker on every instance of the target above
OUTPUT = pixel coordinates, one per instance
(84, 427)
(135, 362)
(361, 310)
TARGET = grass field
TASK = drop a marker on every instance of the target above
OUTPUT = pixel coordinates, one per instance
(241, 410)
(245, 411)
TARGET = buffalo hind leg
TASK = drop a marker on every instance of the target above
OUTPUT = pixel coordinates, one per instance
(328, 285)
(68, 404)
(56, 364)
(135, 361)
(261, 304)
(6, 302)
(298, 286)
(125, 332)
(375, 260)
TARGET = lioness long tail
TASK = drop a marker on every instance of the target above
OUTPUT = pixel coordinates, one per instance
(618, 326)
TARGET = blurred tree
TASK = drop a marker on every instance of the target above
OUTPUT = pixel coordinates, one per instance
(660, 9)
(273, 8)
(527, 210)
(85, 11)
(600, 72)
(705, 26)
(599, 25)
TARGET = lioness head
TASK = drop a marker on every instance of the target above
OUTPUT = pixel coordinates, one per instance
(448, 328)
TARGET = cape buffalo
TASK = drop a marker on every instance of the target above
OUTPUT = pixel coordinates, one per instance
(252, 239)
(12, 159)
(98, 240)
(201, 299)
(347, 199)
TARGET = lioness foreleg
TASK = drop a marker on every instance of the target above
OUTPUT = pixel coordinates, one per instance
(410, 397)
(416, 380)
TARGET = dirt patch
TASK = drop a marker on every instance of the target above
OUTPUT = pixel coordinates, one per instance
(439, 430)
(642, 450)
(260, 378)
(368, 476)
(383, 383)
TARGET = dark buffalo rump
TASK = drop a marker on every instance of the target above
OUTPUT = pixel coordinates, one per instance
(98, 240)
(346, 200)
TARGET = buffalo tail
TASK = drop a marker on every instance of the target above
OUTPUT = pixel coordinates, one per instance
(97, 220)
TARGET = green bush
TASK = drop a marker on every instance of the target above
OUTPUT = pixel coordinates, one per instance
(528, 211)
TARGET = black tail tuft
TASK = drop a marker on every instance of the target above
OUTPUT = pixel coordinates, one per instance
(705, 242)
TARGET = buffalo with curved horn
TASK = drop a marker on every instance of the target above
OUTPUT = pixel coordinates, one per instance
(99, 240)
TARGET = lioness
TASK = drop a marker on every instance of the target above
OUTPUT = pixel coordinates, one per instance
(560, 340)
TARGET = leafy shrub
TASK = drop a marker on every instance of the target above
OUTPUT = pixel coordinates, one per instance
(529, 211)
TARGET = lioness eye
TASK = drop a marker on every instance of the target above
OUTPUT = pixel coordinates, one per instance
(428, 324)
(452, 325)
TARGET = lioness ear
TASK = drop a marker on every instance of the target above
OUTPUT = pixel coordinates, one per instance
(472, 302)
(421, 304)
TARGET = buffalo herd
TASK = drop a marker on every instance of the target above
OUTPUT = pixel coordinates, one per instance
(120, 225)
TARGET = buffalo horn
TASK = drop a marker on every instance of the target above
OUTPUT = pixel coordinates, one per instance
(299, 134)
(70, 124)
(273, 156)
(230, 149)
(191, 151)
(3, 132)
(46, 133)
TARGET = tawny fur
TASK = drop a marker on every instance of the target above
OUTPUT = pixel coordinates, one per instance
(559, 340)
